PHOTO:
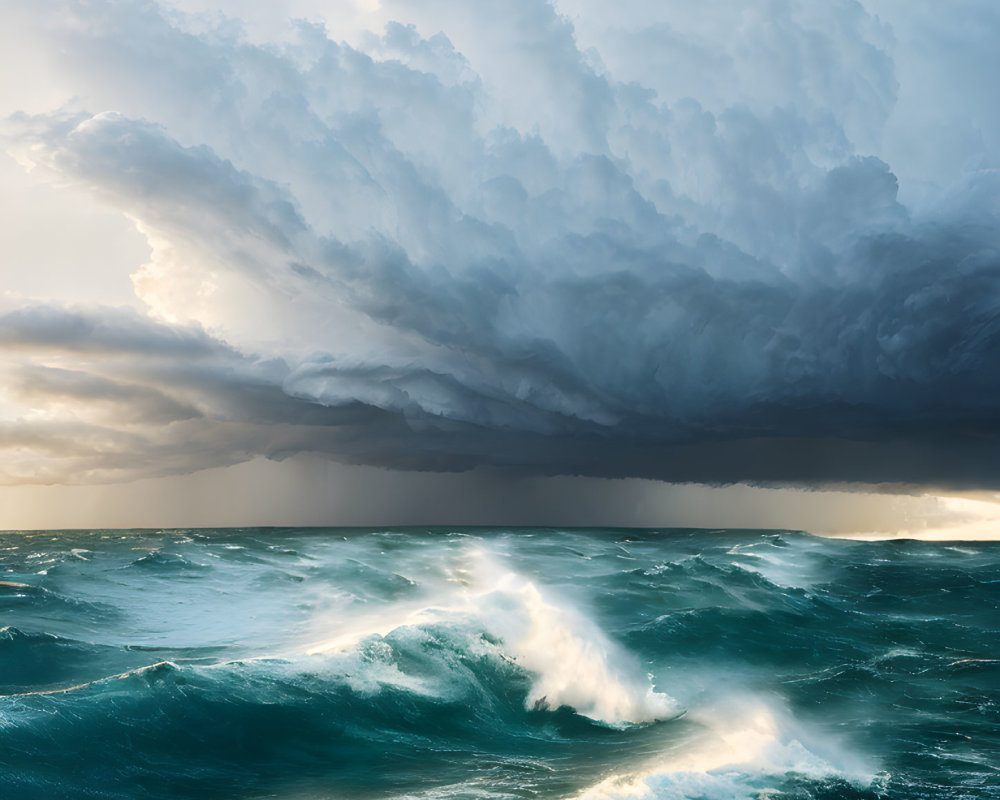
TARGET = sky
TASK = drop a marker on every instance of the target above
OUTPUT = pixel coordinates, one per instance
(349, 262)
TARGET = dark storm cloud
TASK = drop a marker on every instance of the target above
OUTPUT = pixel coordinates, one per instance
(101, 330)
(492, 246)
(34, 386)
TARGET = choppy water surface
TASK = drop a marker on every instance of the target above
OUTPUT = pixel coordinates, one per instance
(447, 663)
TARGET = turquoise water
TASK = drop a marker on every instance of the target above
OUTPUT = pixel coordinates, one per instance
(473, 663)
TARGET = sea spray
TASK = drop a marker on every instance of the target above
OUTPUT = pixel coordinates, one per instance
(742, 742)
(573, 663)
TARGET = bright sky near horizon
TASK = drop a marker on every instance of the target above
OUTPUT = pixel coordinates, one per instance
(724, 264)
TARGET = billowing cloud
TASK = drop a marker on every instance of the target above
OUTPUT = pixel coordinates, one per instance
(672, 244)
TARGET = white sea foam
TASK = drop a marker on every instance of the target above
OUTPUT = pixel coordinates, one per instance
(574, 662)
(789, 568)
(379, 622)
(747, 743)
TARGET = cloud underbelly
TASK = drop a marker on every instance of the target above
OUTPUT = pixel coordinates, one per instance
(406, 253)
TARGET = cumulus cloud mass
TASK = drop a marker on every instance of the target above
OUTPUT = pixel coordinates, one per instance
(715, 242)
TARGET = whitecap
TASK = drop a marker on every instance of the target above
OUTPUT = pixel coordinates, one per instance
(748, 746)
(573, 663)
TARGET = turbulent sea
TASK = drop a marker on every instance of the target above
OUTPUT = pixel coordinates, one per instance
(471, 663)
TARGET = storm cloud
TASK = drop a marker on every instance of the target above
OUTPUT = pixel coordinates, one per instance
(671, 244)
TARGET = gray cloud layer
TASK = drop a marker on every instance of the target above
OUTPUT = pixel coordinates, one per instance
(671, 247)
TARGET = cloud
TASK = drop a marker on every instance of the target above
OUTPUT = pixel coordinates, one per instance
(102, 330)
(669, 245)
(38, 386)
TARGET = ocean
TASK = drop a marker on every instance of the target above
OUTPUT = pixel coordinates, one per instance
(306, 663)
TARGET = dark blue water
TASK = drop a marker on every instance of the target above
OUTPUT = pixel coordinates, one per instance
(305, 664)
